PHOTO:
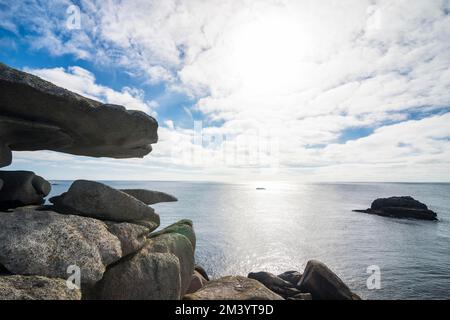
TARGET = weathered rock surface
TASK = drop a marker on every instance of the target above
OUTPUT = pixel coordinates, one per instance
(183, 227)
(162, 269)
(37, 115)
(275, 284)
(150, 197)
(35, 288)
(197, 282)
(97, 200)
(159, 271)
(151, 225)
(182, 248)
(46, 243)
(324, 284)
(22, 188)
(293, 277)
(132, 236)
(400, 207)
(301, 296)
(144, 276)
(233, 288)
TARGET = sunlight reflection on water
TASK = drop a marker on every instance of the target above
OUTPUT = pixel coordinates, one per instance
(241, 229)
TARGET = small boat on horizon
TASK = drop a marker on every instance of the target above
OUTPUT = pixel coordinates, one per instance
(260, 188)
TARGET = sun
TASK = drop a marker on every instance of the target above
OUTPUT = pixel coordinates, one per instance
(266, 52)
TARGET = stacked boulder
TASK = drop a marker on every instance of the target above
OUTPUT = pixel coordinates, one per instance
(104, 233)
(94, 242)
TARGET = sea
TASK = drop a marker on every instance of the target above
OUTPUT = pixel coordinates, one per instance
(242, 228)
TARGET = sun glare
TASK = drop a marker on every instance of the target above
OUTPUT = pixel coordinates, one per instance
(267, 52)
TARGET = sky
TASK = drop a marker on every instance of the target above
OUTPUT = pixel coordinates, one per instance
(303, 90)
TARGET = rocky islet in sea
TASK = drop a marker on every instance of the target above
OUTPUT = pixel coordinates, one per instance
(404, 207)
(110, 235)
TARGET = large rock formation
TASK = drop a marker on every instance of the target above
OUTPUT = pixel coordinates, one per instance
(162, 269)
(97, 200)
(144, 276)
(22, 188)
(117, 260)
(182, 248)
(233, 288)
(37, 115)
(36, 288)
(46, 243)
(324, 284)
(150, 197)
(400, 207)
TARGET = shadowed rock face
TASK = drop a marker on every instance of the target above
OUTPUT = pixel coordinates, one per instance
(22, 188)
(275, 284)
(37, 115)
(324, 284)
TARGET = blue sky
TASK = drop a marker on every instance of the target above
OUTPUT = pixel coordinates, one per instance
(298, 90)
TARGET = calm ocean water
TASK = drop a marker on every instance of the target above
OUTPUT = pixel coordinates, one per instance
(241, 229)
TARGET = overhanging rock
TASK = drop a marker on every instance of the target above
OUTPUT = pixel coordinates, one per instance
(37, 115)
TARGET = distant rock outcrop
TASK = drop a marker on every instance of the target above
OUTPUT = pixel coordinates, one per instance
(37, 115)
(400, 207)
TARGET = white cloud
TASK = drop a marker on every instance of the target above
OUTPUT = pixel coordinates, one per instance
(298, 72)
(83, 82)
